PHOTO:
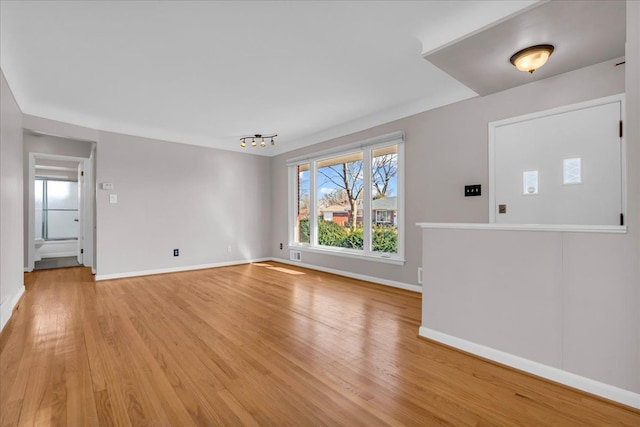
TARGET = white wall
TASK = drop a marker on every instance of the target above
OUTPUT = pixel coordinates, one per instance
(445, 149)
(47, 144)
(172, 196)
(563, 299)
(632, 127)
(541, 144)
(567, 300)
(11, 218)
(198, 200)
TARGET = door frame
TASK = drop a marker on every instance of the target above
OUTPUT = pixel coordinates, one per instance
(87, 208)
(492, 126)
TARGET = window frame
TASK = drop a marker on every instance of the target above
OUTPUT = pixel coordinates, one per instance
(365, 147)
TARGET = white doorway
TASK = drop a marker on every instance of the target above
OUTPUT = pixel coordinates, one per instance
(561, 166)
(61, 203)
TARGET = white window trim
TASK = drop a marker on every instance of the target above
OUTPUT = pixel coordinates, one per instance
(349, 253)
(366, 147)
(366, 208)
(378, 141)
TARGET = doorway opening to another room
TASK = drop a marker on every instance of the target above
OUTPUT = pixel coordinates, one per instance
(61, 197)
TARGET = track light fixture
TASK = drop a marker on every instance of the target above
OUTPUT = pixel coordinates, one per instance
(259, 136)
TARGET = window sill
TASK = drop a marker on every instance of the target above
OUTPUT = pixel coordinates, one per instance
(346, 253)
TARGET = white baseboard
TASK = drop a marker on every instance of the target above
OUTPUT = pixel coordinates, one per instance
(607, 391)
(99, 277)
(598, 388)
(392, 283)
(7, 306)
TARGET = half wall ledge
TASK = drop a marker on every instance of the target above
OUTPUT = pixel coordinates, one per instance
(568, 228)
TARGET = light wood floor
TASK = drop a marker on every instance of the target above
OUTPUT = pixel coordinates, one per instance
(254, 345)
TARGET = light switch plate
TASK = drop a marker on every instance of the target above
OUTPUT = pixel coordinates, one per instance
(113, 198)
(472, 190)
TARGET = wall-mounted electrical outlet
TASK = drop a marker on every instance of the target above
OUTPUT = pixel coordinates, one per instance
(281, 246)
(472, 190)
(176, 252)
(420, 275)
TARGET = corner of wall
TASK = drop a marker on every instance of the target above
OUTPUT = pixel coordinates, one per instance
(11, 198)
(632, 127)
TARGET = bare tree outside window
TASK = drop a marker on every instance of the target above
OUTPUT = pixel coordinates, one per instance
(383, 169)
(343, 175)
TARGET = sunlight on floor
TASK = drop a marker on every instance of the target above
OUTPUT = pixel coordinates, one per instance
(280, 269)
(286, 270)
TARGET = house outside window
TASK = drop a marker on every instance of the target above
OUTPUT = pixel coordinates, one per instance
(348, 202)
(383, 217)
(385, 210)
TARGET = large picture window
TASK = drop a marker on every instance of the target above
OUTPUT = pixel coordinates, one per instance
(349, 202)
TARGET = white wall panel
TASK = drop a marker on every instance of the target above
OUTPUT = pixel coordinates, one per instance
(11, 217)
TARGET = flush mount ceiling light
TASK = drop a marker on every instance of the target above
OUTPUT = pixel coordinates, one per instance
(532, 58)
(260, 138)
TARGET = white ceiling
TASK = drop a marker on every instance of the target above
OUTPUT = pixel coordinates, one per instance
(583, 33)
(207, 73)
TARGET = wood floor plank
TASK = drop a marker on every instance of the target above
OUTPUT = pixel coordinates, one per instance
(173, 387)
(36, 401)
(262, 344)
